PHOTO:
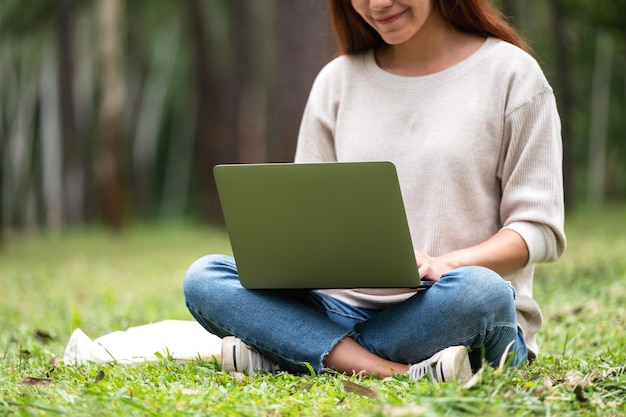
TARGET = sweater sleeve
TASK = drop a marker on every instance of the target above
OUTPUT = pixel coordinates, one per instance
(532, 179)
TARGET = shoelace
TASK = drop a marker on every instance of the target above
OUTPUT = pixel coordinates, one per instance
(258, 362)
(424, 368)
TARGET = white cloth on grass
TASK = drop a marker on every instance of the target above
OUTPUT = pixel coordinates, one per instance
(176, 339)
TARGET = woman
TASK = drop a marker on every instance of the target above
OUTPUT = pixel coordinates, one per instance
(444, 90)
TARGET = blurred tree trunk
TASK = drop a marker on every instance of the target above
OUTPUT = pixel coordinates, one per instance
(565, 98)
(51, 142)
(228, 86)
(152, 106)
(600, 99)
(179, 167)
(20, 144)
(250, 42)
(138, 61)
(73, 146)
(109, 13)
(303, 44)
(209, 148)
(86, 91)
(3, 141)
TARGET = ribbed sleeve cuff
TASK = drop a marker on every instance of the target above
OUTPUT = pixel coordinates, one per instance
(536, 241)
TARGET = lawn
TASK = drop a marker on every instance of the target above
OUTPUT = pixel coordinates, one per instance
(102, 282)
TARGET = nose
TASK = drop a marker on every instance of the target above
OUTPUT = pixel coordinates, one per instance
(380, 4)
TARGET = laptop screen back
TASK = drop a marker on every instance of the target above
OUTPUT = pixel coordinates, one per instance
(319, 225)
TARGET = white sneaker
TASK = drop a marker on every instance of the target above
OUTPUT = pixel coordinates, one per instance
(239, 357)
(450, 364)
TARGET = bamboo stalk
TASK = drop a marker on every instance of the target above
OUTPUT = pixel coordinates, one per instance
(598, 131)
(109, 13)
(51, 152)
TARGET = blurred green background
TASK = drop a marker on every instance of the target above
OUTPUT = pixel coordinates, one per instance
(114, 111)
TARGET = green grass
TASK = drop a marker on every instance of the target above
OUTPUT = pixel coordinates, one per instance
(102, 282)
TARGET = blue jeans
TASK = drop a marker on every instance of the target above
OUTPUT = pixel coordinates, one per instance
(470, 306)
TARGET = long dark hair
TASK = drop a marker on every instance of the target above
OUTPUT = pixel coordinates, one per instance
(481, 17)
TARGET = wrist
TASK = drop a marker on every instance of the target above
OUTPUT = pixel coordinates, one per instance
(452, 261)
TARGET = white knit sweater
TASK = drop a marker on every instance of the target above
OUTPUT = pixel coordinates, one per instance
(477, 148)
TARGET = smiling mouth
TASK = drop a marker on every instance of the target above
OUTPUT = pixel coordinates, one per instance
(389, 19)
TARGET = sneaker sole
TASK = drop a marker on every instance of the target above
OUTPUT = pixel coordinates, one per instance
(230, 344)
(454, 363)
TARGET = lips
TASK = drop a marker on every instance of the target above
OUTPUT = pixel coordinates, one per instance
(389, 18)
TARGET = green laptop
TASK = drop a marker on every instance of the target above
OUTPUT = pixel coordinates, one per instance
(317, 225)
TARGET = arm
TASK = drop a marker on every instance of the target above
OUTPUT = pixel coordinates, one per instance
(504, 252)
(532, 198)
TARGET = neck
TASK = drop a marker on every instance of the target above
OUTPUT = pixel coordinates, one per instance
(437, 46)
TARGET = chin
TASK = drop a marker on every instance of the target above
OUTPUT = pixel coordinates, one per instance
(395, 38)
